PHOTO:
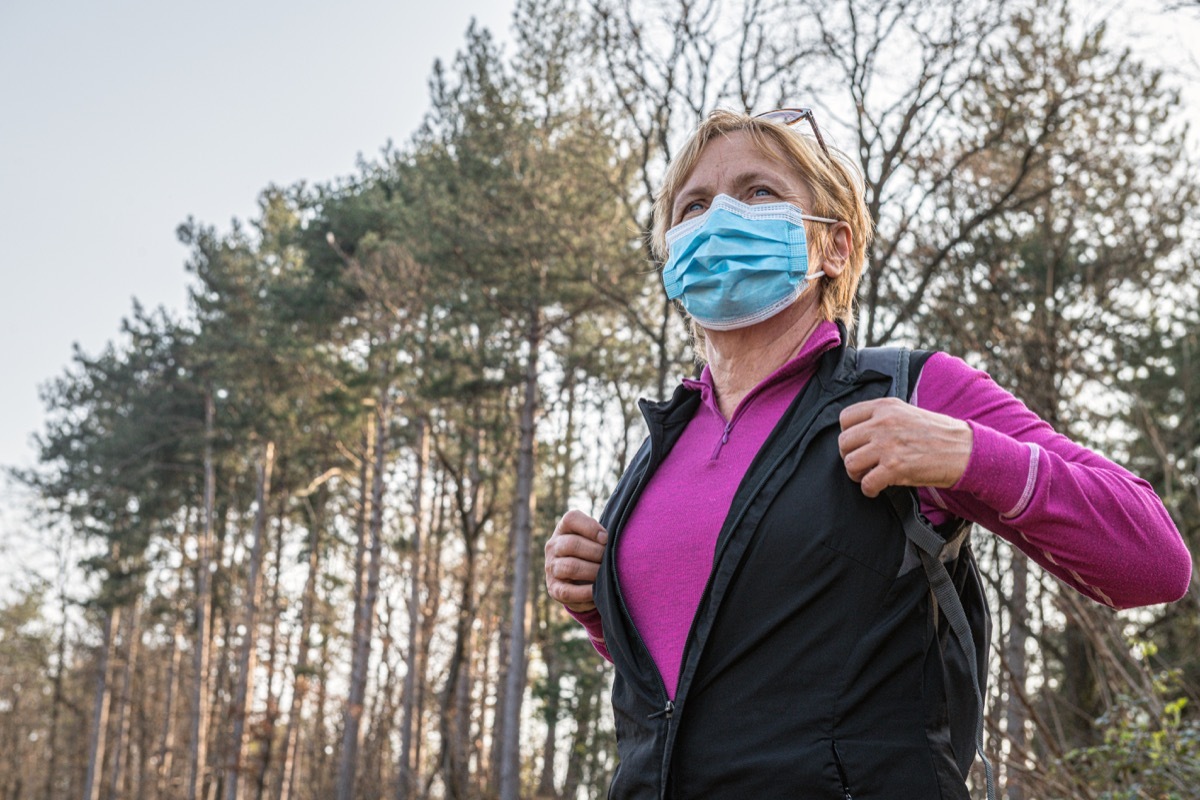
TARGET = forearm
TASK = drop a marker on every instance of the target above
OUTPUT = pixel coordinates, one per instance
(1083, 518)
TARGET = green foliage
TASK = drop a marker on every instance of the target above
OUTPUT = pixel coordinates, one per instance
(1150, 749)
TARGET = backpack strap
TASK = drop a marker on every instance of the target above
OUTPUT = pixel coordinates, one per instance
(890, 361)
(895, 362)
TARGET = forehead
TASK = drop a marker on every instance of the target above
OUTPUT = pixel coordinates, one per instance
(731, 157)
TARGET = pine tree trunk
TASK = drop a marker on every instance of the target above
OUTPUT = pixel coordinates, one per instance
(581, 743)
(462, 713)
(550, 743)
(120, 749)
(561, 494)
(220, 659)
(1016, 715)
(318, 763)
(406, 779)
(432, 580)
(99, 730)
(12, 739)
(523, 504)
(364, 611)
(381, 718)
(198, 752)
(503, 652)
(348, 755)
(166, 747)
(484, 777)
(56, 702)
(301, 672)
(246, 658)
(453, 760)
(274, 668)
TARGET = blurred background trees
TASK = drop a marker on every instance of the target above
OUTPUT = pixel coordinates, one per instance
(298, 528)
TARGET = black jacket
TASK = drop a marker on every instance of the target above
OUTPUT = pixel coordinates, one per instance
(812, 668)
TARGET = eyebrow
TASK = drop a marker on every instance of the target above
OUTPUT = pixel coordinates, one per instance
(740, 182)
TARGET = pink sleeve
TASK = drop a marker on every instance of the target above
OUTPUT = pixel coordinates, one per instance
(1086, 520)
(590, 620)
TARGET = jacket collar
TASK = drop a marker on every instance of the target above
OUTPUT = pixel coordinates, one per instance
(831, 373)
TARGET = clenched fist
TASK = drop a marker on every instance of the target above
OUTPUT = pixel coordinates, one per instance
(573, 555)
(888, 442)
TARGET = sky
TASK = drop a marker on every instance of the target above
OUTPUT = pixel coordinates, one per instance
(120, 120)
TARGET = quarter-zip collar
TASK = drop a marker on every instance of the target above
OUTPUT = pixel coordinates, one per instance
(825, 336)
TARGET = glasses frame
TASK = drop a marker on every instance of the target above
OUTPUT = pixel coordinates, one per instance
(790, 116)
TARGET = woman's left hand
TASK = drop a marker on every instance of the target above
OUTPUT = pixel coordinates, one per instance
(889, 442)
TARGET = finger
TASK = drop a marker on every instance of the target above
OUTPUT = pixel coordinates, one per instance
(875, 481)
(859, 463)
(573, 570)
(575, 521)
(858, 429)
(854, 438)
(858, 413)
(576, 596)
(571, 545)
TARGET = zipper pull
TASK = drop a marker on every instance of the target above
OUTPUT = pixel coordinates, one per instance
(666, 712)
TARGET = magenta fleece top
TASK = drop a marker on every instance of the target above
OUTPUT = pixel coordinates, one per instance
(1091, 523)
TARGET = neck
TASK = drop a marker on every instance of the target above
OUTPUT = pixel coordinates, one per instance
(739, 360)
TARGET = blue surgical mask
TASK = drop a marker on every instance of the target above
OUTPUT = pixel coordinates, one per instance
(736, 264)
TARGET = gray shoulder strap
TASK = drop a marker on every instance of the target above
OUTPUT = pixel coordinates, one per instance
(924, 542)
(890, 361)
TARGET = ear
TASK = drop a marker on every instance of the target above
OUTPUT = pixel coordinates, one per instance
(841, 244)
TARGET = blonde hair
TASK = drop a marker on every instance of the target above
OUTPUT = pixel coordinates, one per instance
(837, 192)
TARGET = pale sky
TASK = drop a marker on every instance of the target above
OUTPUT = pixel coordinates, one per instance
(118, 120)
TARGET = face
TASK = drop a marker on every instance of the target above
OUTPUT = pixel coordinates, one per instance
(734, 166)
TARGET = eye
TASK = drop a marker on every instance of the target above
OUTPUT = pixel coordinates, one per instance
(762, 191)
(691, 209)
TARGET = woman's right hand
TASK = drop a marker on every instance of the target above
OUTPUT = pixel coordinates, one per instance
(573, 555)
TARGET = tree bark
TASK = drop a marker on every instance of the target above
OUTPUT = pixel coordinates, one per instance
(267, 737)
(101, 706)
(246, 658)
(198, 752)
(364, 612)
(318, 762)
(301, 671)
(546, 782)
(166, 748)
(523, 504)
(452, 758)
(123, 721)
(1018, 633)
(56, 702)
(406, 779)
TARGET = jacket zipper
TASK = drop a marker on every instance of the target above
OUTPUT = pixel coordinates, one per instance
(668, 709)
(721, 547)
(837, 759)
(724, 543)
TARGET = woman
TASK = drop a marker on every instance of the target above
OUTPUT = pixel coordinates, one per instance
(746, 577)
